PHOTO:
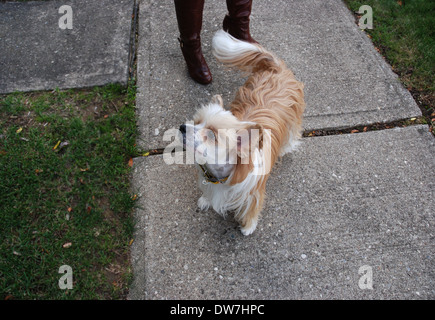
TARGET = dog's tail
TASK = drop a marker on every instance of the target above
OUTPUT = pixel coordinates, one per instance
(245, 56)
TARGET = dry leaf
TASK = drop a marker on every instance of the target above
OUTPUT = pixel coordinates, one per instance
(134, 197)
(57, 144)
(131, 241)
(19, 130)
(130, 162)
(69, 209)
(67, 245)
(354, 131)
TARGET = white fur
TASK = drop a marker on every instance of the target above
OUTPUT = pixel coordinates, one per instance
(226, 47)
(251, 229)
(224, 197)
(291, 145)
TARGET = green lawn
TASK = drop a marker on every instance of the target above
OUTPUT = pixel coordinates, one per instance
(404, 32)
(64, 192)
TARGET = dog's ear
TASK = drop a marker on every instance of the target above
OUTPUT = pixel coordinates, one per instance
(249, 139)
(217, 99)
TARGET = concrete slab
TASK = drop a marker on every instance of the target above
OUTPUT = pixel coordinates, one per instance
(347, 83)
(337, 204)
(38, 55)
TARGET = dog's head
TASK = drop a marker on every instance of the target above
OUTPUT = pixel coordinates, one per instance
(219, 140)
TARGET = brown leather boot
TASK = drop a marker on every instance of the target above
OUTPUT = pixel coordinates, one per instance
(189, 18)
(236, 23)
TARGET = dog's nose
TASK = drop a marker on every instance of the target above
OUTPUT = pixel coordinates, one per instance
(183, 128)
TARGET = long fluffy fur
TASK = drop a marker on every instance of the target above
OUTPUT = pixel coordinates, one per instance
(271, 98)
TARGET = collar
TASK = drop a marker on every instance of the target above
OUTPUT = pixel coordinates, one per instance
(209, 177)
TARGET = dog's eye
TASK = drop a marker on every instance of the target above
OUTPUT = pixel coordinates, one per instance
(210, 135)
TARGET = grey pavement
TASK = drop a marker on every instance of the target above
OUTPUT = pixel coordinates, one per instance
(334, 206)
(38, 55)
(337, 204)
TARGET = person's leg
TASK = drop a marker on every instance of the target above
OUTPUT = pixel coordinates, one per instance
(236, 23)
(189, 18)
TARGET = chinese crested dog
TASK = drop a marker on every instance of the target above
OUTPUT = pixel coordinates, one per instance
(235, 149)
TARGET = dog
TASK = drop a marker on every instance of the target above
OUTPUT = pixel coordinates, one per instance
(236, 149)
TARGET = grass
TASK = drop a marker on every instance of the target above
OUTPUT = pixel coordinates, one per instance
(404, 33)
(64, 192)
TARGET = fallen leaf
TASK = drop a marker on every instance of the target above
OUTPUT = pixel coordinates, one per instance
(413, 119)
(365, 129)
(67, 245)
(69, 209)
(146, 154)
(130, 162)
(354, 131)
(105, 116)
(83, 170)
(131, 241)
(57, 144)
(39, 170)
(19, 130)
(399, 3)
(134, 197)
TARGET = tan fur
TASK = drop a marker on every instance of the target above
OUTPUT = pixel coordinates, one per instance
(272, 98)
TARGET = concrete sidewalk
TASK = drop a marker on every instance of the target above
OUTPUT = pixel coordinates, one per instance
(36, 54)
(337, 204)
(340, 203)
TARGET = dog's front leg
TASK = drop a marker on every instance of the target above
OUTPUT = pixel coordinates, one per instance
(249, 219)
(203, 203)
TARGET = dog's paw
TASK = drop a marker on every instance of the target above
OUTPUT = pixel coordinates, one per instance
(203, 203)
(247, 230)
